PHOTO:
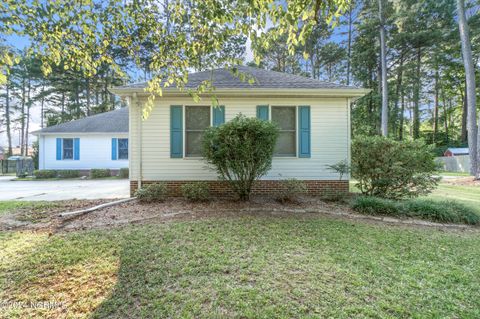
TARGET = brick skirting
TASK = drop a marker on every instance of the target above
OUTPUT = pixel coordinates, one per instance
(221, 188)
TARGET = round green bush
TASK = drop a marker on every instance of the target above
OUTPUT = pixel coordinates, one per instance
(156, 192)
(241, 151)
(196, 192)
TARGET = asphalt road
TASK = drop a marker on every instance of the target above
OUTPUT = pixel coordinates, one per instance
(62, 189)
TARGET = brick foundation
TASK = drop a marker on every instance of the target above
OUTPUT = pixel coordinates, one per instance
(221, 188)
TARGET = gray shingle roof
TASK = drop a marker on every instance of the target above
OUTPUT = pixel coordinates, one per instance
(223, 79)
(109, 122)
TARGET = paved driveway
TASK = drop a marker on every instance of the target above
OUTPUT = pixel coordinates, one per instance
(62, 189)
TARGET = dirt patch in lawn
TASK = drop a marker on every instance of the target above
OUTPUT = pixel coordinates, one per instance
(462, 181)
(41, 215)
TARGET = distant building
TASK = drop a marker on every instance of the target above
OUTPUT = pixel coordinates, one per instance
(452, 151)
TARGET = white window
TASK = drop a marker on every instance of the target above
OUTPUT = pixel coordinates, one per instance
(123, 148)
(197, 120)
(67, 149)
(285, 118)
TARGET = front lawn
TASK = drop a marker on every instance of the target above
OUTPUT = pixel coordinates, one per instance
(244, 267)
(11, 205)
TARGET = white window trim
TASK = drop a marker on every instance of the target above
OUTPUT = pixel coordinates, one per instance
(184, 114)
(296, 128)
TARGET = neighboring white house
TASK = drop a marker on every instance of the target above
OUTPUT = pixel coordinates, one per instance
(314, 119)
(97, 141)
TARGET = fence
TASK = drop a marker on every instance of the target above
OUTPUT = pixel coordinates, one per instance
(21, 166)
(459, 163)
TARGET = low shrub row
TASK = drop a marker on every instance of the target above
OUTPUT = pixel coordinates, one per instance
(437, 211)
(100, 173)
(45, 173)
(52, 173)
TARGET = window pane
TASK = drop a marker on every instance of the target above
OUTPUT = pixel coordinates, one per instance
(284, 117)
(197, 117)
(68, 143)
(123, 154)
(68, 148)
(193, 146)
(285, 144)
(123, 143)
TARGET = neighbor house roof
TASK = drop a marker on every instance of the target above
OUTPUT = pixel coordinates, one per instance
(458, 150)
(109, 122)
(223, 79)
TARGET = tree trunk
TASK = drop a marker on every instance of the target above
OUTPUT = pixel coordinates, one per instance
(473, 139)
(416, 98)
(398, 91)
(27, 125)
(7, 117)
(383, 59)
(435, 111)
(349, 42)
(463, 135)
(22, 118)
(445, 115)
(87, 89)
(42, 108)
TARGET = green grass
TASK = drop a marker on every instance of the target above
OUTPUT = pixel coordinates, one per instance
(445, 173)
(468, 195)
(11, 206)
(251, 267)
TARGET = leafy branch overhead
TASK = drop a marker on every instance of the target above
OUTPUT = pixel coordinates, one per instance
(178, 35)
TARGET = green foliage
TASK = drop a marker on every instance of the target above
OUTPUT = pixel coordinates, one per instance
(100, 173)
(342, 168)
(241, 151)
(68, 173)
(393, 169)
(156, 192)
(123, 172)
(45, 173)
(437, 211)
(196, 191)
(290, 190)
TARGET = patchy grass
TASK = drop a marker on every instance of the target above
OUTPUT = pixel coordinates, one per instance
(445, 173)
(468, 195)
(250, 267)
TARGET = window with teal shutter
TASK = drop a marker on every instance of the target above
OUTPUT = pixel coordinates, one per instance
(262, 112)
(114, 149)
(304, 148)
(176, 131)
(59, 149)
(218, 115)
(76, 149)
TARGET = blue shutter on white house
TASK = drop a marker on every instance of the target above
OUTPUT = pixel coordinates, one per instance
(176, 131)
(304, 131)
(114, 149)
(262, 112)
(76, 149)
(59, 149)
(218, 115)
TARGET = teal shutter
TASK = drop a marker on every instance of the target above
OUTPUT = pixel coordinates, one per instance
(262, 112)
(114, 149)
(59, 149)
(218, 115)
(304, 131)
(76, 149)
(176, 131)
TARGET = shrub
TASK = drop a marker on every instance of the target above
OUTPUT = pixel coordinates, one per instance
(156, 192)
(290, 190)
(68, 173)
(196, 192)
(241, 151)
(45, 173)
(342, 168)
(100, 173)
(123, 172)
(393, 169)
(438, 211)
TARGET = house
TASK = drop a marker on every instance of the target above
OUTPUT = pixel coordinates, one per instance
(451, 151)
(97, 141)
(314, 120)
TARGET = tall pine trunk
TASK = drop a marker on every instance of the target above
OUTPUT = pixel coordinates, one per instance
(416, 97)
(464, 130)
(383, 59)
(398, 92)
(349, 42)
(435, 110)
(473, 139)
(7, 117)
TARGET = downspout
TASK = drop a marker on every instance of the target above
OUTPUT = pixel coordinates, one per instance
(140, 171)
